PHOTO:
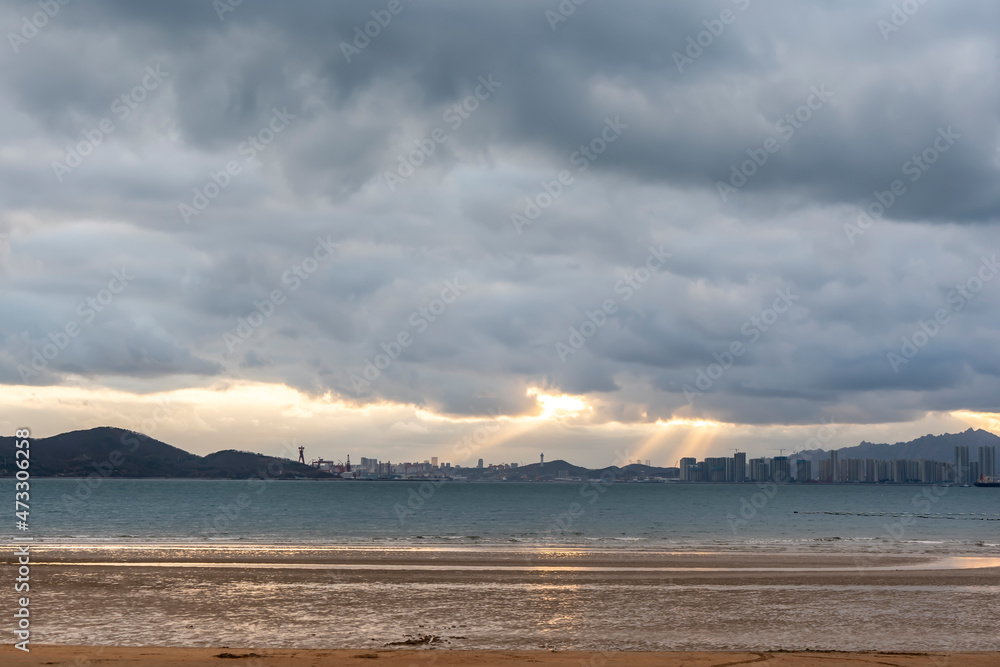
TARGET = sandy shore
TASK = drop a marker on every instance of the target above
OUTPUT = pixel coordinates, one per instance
(352, 564)
(487, 557)
(169, 657)
(479, 605)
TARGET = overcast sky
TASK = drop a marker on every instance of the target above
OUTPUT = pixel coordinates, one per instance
(550, 223)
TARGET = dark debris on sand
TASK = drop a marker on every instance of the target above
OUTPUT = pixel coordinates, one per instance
(422, 640)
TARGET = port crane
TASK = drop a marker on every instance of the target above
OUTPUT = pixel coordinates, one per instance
(334, 466)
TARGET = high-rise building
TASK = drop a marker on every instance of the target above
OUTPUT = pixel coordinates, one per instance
(687, 463)
(434, 462)
(740, 467)
(803, 470)
(871, 470)
(760, 471)
(715, 469)
(853, 470)
(480, 464)
(834, 467)
(988, 460)
(929, 472)
(781, 469)
(962, 464)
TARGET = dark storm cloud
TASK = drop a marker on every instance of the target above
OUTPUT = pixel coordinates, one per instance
(848, 111)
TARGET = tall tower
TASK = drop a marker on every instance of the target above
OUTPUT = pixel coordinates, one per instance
(740, 466)
(781, 469)
(541, 462)
(987, 460)
(302, 454)
(962, 464)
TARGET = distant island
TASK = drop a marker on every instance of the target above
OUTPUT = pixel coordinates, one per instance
(114, 452)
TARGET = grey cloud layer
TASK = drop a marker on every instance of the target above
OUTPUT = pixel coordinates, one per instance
(324, 176)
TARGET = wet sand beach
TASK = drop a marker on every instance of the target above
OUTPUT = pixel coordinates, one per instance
(171, 657)
(259, 598)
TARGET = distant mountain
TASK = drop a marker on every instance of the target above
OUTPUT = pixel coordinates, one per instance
(634, 469)
(233, 464)
(928, 447)
(115, 452)
(551, 468)
(559, 466)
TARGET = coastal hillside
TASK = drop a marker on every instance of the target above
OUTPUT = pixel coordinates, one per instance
(927, 447)
(118, 452)
(115, 452)
(560, 467)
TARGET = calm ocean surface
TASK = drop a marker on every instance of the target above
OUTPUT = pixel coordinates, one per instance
(907, 519)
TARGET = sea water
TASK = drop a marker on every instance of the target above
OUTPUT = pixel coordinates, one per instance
(904, 518)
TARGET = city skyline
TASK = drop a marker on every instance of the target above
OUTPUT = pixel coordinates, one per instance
(738, 469)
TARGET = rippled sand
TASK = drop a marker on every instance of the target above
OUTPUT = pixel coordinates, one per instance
(325, 598)
(160, 657)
